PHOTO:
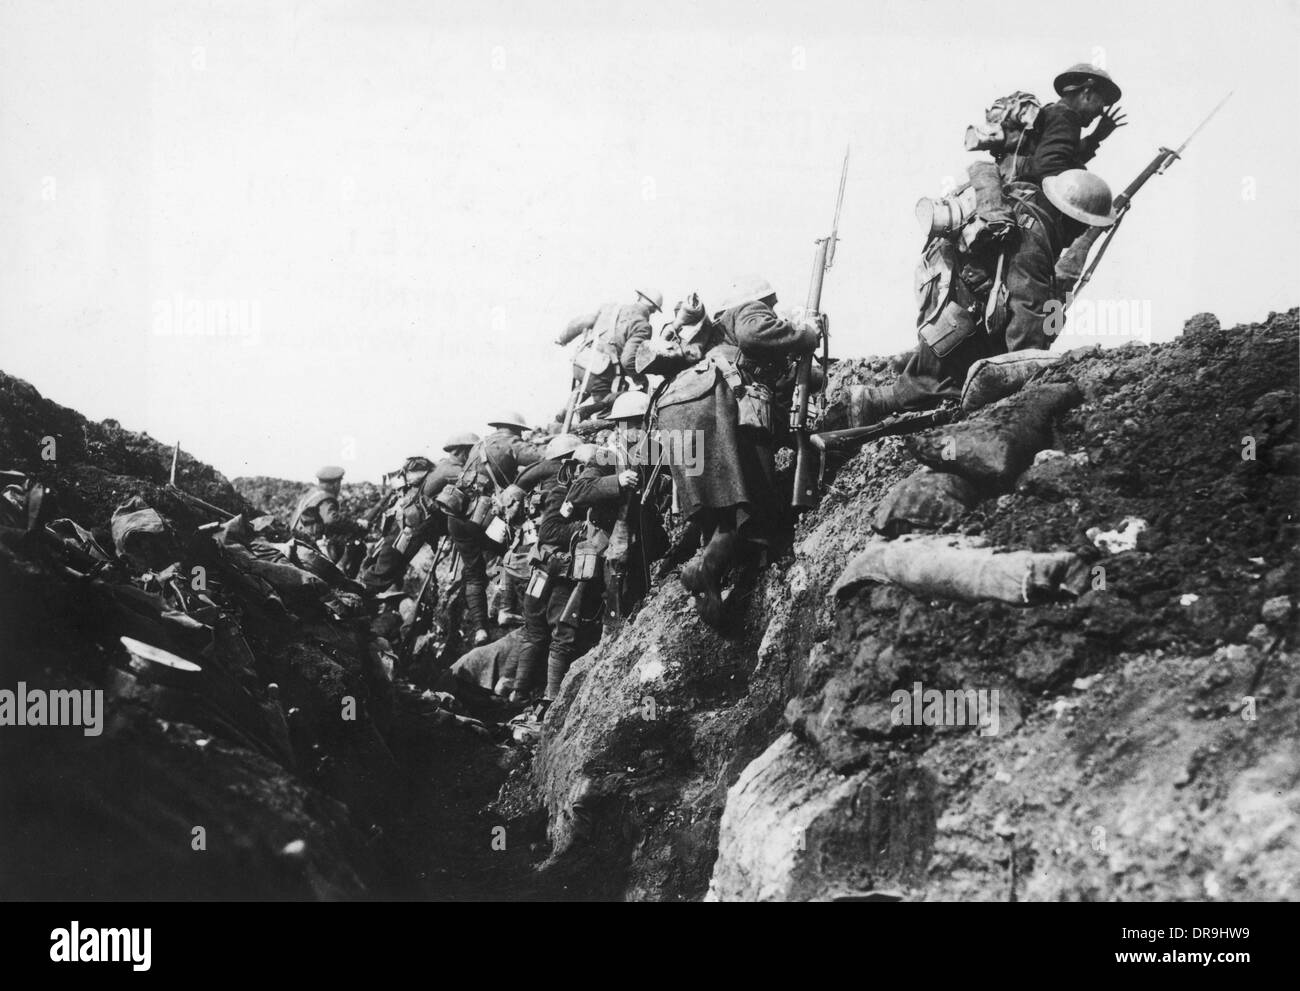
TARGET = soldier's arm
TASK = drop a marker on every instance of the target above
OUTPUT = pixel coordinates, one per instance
(526, 453)
(537, 473)
(1031, 284)
(577, 327)
(638, 334)
(762, 335)
(443, 474)
(1058, 146)
(554, 528)
(334, 521)
(594, 486)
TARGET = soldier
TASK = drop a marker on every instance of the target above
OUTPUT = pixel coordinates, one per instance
(607, 358)
(543, 477)
(731, 372)
(492, 464)
(416, 519)
(960, 328)
(581, 509)
(1087, 94)
(637, 537)
(317, 518)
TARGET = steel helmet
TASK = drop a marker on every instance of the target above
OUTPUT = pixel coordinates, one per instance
(561, 446)
(466, 439)
(1079, 194)
(1084, 74)
(652, 296)
(746, 290)
(509, 418)
(630, 405)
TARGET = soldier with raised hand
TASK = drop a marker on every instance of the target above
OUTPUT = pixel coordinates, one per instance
(615, 332)
(732, 378)
(960, 328)
(1087, 94)
(491, 466)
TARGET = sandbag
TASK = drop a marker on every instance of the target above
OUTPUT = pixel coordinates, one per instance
(294, 585)
(967, 569)
(925, 500)
(1002, 375)
(990, 452)
(140, 534)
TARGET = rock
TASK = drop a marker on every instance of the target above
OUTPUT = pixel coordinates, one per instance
(1201, 326)
(1276, 610)
(1052, 479)
(794, 831)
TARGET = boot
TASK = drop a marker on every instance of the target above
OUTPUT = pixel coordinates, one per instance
(863, 406)
(705, 573)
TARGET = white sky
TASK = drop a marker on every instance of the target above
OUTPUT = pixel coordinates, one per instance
(417, 196)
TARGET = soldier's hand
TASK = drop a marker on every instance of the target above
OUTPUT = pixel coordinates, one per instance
(1111, 118)
(627, 478)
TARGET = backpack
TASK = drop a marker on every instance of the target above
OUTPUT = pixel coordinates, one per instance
(1007, 132)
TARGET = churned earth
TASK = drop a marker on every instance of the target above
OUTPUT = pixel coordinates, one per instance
(1148, 745)
(1147, 739)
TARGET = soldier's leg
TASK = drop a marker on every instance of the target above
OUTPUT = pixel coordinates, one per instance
(467, 538)
(534, 639)
(564, 637)
(511, 600)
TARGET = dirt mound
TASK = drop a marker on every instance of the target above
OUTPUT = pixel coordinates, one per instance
(268, 771)
(1148, 742)
(93, 467)
(279, 496)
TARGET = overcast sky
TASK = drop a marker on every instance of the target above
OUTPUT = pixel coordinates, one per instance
(404, 202)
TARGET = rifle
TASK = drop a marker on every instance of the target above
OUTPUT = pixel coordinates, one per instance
(423, 609)
(806, 474)
(1070, 270)
(901, 423)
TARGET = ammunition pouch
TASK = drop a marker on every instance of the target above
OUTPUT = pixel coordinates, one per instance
(587, 553)
(947, 308)
(454, 501)
(403, 540)
(756, 404)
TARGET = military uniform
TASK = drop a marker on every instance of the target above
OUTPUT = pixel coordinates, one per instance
(570, 622)
(1019, 317)
(318, 522)
(416, 520)
(618, 332)
(493, 464)
(732, 385)
(1061, 145)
